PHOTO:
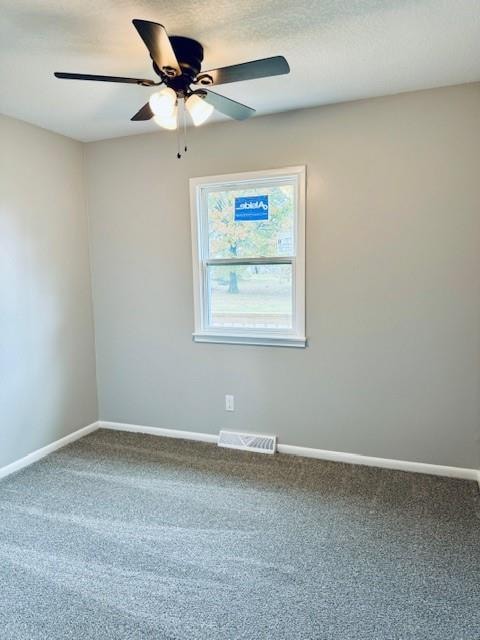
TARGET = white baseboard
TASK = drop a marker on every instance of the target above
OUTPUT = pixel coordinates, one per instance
(160, 431)
(307, 452)
(44, 451)
(383, 463)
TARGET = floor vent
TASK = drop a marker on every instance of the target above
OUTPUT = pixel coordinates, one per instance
(248, 441)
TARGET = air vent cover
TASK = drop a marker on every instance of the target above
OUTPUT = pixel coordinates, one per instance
(248, 441)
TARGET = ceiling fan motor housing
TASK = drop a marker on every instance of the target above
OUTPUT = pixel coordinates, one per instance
(189, 54)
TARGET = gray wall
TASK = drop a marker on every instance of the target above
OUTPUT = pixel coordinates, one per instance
(47, 357)
(393, 263)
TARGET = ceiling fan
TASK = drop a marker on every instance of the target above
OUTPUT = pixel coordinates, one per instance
(177, 61)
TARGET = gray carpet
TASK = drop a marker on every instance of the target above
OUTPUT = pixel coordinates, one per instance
(124, 536)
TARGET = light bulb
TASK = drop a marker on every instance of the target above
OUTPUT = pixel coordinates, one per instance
(168, 121)
(198, 109)
(162, 103)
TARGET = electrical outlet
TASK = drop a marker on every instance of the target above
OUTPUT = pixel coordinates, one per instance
(229, 403)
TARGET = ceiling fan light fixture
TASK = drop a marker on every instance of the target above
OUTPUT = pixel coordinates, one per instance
(169, 122)
(163, 103)
(198, 109)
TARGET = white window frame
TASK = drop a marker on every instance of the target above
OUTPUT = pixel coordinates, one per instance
(294, 337)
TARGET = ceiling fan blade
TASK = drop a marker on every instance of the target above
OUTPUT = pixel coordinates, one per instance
(158, 43)
(87, 76)
(145, 113)
(264, 68)
(229, 107)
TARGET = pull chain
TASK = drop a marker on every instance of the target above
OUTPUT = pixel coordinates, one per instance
(185, 126)
(182, 114)
(179, 155)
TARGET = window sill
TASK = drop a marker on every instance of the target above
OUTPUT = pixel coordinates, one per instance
(262, 341)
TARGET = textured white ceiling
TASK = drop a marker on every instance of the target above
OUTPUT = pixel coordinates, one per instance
(338, 50)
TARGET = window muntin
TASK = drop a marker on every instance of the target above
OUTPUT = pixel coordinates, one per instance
(249, 273)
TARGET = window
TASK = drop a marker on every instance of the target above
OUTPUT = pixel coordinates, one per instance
(248, 240)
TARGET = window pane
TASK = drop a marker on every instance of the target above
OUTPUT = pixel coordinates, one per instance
(250, 296)
(251, 222)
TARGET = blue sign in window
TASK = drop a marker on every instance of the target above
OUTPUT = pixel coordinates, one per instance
(251, 208)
